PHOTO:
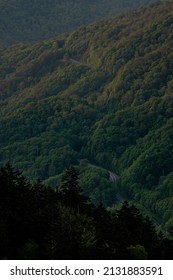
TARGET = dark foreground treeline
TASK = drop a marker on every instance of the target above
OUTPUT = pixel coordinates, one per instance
(37, 222)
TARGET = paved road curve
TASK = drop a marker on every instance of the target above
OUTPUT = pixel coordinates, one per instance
(114, 179)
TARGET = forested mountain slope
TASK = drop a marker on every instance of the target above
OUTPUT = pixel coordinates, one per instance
(104, 93)
(40, 222)
(30, 21)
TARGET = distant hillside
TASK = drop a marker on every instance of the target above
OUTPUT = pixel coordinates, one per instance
(31, 21)
(103, 93)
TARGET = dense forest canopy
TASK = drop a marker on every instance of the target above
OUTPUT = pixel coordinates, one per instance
(30, 21)
(38, 222)
(103, 93)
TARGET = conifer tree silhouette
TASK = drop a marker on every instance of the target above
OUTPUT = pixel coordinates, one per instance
(71, 191)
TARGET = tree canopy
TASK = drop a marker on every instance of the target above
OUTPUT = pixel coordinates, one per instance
(101, 93)
(32, 21)
(38, 223)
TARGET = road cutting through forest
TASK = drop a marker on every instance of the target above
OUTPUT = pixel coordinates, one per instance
(114, 179)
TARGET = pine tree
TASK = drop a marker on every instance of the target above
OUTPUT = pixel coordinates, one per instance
(71, 191)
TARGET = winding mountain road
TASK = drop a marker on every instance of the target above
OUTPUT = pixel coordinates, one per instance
(114, 179)
(74, 61)
(119, 198)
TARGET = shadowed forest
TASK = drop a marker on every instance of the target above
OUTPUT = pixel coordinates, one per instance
(38, 222)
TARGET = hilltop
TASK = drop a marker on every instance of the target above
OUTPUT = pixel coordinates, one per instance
(33, 21)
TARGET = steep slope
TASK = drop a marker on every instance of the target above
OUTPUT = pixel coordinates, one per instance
(31, 21)
(103, 92)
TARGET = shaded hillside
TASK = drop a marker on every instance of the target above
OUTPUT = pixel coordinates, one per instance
(104, 93)
(32, 21)
(40, 223)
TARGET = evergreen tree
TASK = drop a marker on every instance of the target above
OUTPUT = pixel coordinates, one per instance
(71, 191)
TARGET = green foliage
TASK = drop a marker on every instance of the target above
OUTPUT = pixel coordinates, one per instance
(104, 93)
(71, 191)
(22, 21)
(38, 222)
(137, 252)
(97, 185)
